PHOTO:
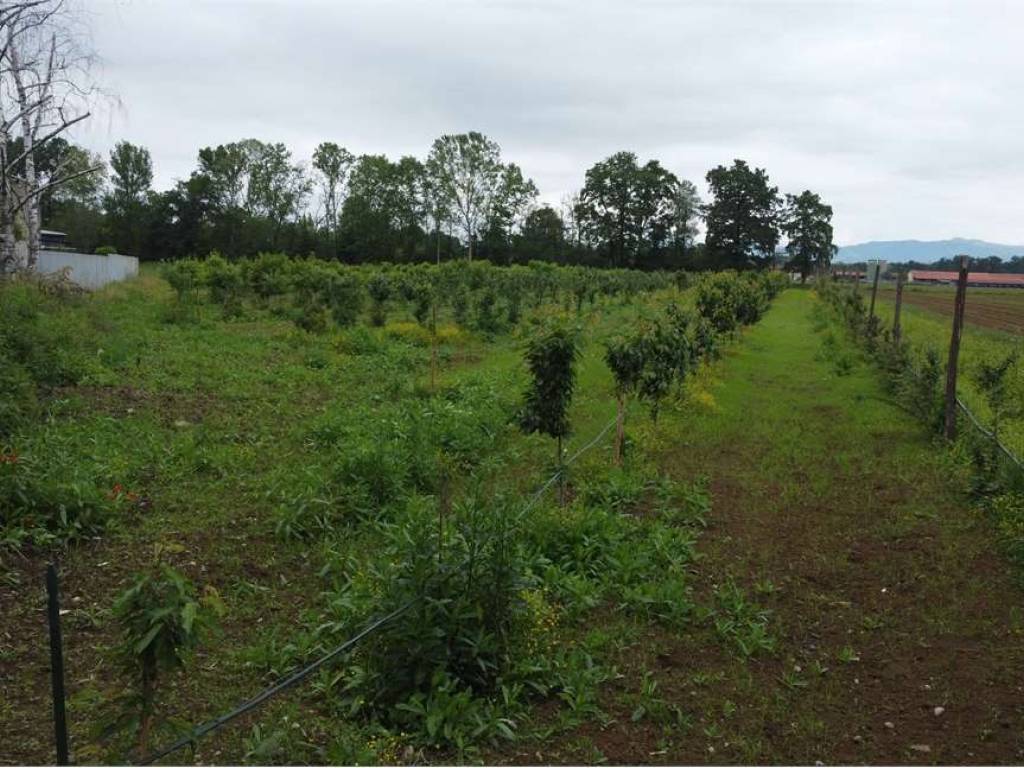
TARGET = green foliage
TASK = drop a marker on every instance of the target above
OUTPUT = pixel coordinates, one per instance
(742, 218)
(105, 250)
(808, 227)
(486, 317)
(993, 380)
(551, 358)
(344, 294)
(728, 300)
(44, 343)
(44, 502)
(465, 625)
(379, 288)
(742, 622)
(162, 621)
(625, 358)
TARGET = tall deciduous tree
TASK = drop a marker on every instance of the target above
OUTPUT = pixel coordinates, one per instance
(333, 163)
(808, 225)
(686, 211)
(467, 167)
(385, 211)
(513, 199)
(742, 218)
(543, 235)
(626, 209)
(131, 170)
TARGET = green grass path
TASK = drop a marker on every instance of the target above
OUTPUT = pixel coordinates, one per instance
(837, 513)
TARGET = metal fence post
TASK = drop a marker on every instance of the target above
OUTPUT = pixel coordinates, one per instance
(60, 723)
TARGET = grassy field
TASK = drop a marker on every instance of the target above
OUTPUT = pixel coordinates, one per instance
(895, 628)
(768, 580)
(994, 328)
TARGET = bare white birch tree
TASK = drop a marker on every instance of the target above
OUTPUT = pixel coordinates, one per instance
(44, 89)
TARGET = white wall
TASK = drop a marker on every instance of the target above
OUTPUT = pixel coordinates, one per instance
(89, 270)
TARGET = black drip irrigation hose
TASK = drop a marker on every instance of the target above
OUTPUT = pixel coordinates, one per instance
(267, 693)
(212, 725)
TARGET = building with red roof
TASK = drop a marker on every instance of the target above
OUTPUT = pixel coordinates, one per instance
(977, 279)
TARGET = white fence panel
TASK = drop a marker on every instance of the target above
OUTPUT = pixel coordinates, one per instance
(89, 270)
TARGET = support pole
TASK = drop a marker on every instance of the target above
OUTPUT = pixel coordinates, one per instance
(954, 350)
(897, 329)
(60, 723)
(874, 293)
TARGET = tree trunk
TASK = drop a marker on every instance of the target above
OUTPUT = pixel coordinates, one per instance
(7, 264)
(620, 418)
(561, 475)
(28, 139)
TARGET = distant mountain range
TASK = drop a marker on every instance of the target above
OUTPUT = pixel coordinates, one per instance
(925, 251)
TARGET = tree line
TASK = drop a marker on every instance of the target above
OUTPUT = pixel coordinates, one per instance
(464, 200)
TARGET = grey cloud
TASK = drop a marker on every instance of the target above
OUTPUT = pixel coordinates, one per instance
(906, 116)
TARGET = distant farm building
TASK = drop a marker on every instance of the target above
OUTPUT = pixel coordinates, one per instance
(52, 239)
(978, 279)
(852, 275)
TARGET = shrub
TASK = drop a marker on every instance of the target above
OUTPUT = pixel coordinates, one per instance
(105, 250)
(268, 274)
(344, 295)
(379, 288)
(43, 344)
(225, 282)
(486, 317)
(312, 317)
(409, 332)
(465, 623)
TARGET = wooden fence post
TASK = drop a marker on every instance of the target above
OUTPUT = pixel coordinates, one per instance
(897, 329)
(954, 350)
(60, 722)
(874, 291)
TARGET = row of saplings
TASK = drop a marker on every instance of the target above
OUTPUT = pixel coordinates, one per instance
(470, 594)
(917, 381)
(478, 293)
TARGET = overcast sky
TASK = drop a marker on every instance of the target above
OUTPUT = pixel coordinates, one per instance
(907, 117)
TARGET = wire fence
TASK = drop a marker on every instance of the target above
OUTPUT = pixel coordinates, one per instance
(304, 672)
(1008, 456)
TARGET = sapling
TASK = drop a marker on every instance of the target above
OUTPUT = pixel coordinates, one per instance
(551, 358)
(993, 379)
(162, 622)
(625, 358)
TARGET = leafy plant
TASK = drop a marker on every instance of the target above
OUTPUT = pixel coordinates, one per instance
(379, 288)
(551, 358)
(626, 358)
(162, 621)
(993, 380)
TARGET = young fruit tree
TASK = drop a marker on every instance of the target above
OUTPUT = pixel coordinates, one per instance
(625, 358)
(551, 358)
(162, 621)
